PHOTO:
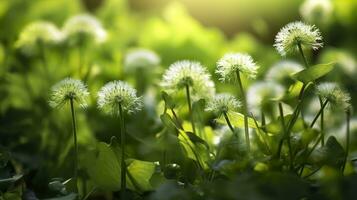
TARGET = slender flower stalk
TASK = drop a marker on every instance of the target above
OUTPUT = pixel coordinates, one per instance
(229, 68)
(322, 123)
(141, 63)
(329, 93)
(245, 111)
(348, 118)
(70, 91)
(118, 98)
(193, 78)
(81, 30)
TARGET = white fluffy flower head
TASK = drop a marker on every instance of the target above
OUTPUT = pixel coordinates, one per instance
(68, 89)
(223, 103)
(295, 33)
(84, 25)
(283, 70)
(38, 32)
(188, 73)
(334, 94)
(118, 93)
(231, 63)
(141, 58)
(261, 93)
(317, 11)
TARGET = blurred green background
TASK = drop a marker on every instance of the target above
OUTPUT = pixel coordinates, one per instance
(201, 30)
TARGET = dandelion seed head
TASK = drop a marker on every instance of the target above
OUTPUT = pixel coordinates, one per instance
(230, 63)
(118, 93)
(141, 58)
(261, 93)
(316, 11)
(283, 70)
(38, 32)
(68, 89)
(223, 103)
(188, 73)
(295, 33)
(84, 25)
(334, 94)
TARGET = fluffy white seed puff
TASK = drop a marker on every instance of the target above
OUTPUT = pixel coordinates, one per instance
(67, 89)
(334, 94)
(295, 33)
(261, 93)
(223, 103)
(84, 25)
(118, 93)
(188, 73)
(283, 70)
(317, 11)
(38, 32)
(141, 58)
(231, 63)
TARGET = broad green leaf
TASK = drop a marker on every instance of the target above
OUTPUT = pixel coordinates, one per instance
(103, 167)
(169, 122)
(314, 72)
(139, 174)
(237, 120)
(196, 152)
(331, 154)
(195, 139)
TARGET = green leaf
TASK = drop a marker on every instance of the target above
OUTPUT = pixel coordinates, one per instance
(169, 103)
(139, 174)
(103, 167)
(314, 72)
(274, 127)
(237, 120)
(331, 154)
(195, 139)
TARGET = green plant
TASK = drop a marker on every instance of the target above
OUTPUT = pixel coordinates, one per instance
(70, 91)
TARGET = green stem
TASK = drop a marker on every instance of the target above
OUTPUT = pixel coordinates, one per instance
(245, 110)
(188, 96)
(122, 144)
(74, 127)
(322, 123)
(285, 135)
(228, 122)
(318, 114)
(302, 54)
(348, 116)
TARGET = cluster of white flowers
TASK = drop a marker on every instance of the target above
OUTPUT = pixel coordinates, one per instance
(283, 70)
(223, 103)
(47, 33)
(66, 90)
(141, 58)
(38, 33)
(188, 73)
(231, 63)
(118, 94)
(84, 25)
(334, 94)
(317, 11)
(297, 33)
(263, 92)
